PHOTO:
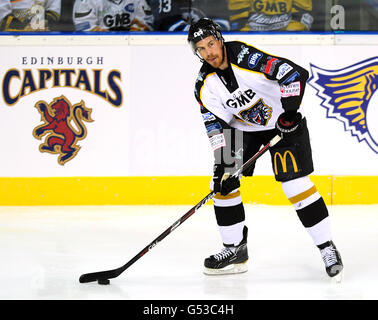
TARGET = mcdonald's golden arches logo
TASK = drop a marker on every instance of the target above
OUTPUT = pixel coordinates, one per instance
(283, 161)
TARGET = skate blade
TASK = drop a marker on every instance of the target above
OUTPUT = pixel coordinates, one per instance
(231, 269)
(337, 278)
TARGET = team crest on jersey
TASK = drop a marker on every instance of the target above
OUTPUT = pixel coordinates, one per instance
(258, 114)
(350, 96)
(59, 133)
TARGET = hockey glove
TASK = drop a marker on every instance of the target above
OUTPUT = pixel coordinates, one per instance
(223, 181)
(288, 122)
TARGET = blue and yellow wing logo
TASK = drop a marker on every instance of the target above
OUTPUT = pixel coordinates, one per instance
(347, 94)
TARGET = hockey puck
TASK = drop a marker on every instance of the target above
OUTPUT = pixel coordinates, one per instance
(103, 281)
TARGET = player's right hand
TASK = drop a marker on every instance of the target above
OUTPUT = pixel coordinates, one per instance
(288, 122)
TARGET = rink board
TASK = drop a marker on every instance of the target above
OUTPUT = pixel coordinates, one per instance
(145, 142)
(171, 190)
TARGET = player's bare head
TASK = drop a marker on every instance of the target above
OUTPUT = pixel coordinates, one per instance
(204, 28)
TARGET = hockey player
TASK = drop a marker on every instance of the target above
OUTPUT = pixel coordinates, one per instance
(112, 15)
(29, 15)
(269, 15)
(248, 96)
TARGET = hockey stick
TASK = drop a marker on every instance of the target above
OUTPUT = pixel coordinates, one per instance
(104, 276)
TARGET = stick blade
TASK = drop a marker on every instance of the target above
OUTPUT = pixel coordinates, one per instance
(95, 276)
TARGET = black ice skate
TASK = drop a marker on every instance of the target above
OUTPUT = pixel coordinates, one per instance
(232, 259)
(332, 260)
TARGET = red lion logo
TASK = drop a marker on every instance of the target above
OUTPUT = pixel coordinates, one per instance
(62, 137)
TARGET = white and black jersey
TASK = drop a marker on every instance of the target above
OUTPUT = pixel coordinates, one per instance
(250, 94)
(112, 15)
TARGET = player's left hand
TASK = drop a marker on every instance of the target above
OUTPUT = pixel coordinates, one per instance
(224, 182)
(288, 122)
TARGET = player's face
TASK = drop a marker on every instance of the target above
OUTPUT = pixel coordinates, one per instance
(211, 50)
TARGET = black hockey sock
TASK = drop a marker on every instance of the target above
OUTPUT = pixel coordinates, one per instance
(227, 216)
(313, 213)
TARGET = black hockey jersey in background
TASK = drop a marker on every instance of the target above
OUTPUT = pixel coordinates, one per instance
(177, 15)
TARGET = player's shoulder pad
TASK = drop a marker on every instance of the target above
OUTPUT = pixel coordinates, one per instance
(245, 56)
(201, 77)
(274, 68)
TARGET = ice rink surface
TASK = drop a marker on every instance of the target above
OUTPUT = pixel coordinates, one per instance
(44, 250)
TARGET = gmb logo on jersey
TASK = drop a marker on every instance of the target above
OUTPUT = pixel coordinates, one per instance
(350, 96)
